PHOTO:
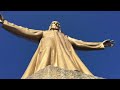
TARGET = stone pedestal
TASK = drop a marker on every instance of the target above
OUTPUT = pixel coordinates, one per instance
(51, 72)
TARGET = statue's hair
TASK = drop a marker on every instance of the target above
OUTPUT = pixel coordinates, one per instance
(57, 23)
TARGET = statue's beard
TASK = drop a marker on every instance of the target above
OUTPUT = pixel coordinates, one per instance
(55, 29)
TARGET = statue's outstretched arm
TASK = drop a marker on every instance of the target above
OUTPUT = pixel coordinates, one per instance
(22, 31)
(82, 45)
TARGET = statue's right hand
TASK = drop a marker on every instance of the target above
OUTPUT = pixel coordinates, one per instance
(1, 19)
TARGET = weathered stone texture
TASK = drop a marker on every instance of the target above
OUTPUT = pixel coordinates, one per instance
(51, 72)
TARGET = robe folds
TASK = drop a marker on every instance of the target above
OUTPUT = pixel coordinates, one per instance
(55, 48)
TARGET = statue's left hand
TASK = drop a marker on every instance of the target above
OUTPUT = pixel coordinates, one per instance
(1, 19)
(108, 43)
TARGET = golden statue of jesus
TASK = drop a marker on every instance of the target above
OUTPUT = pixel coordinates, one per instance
(55, 48)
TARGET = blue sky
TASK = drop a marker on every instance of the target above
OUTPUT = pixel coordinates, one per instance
(16, 53)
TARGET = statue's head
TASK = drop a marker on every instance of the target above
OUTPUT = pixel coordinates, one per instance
(55, 25)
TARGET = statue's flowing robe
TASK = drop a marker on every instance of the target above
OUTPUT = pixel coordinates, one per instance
(54, 48)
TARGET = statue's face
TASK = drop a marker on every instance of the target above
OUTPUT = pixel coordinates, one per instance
(55, 25)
